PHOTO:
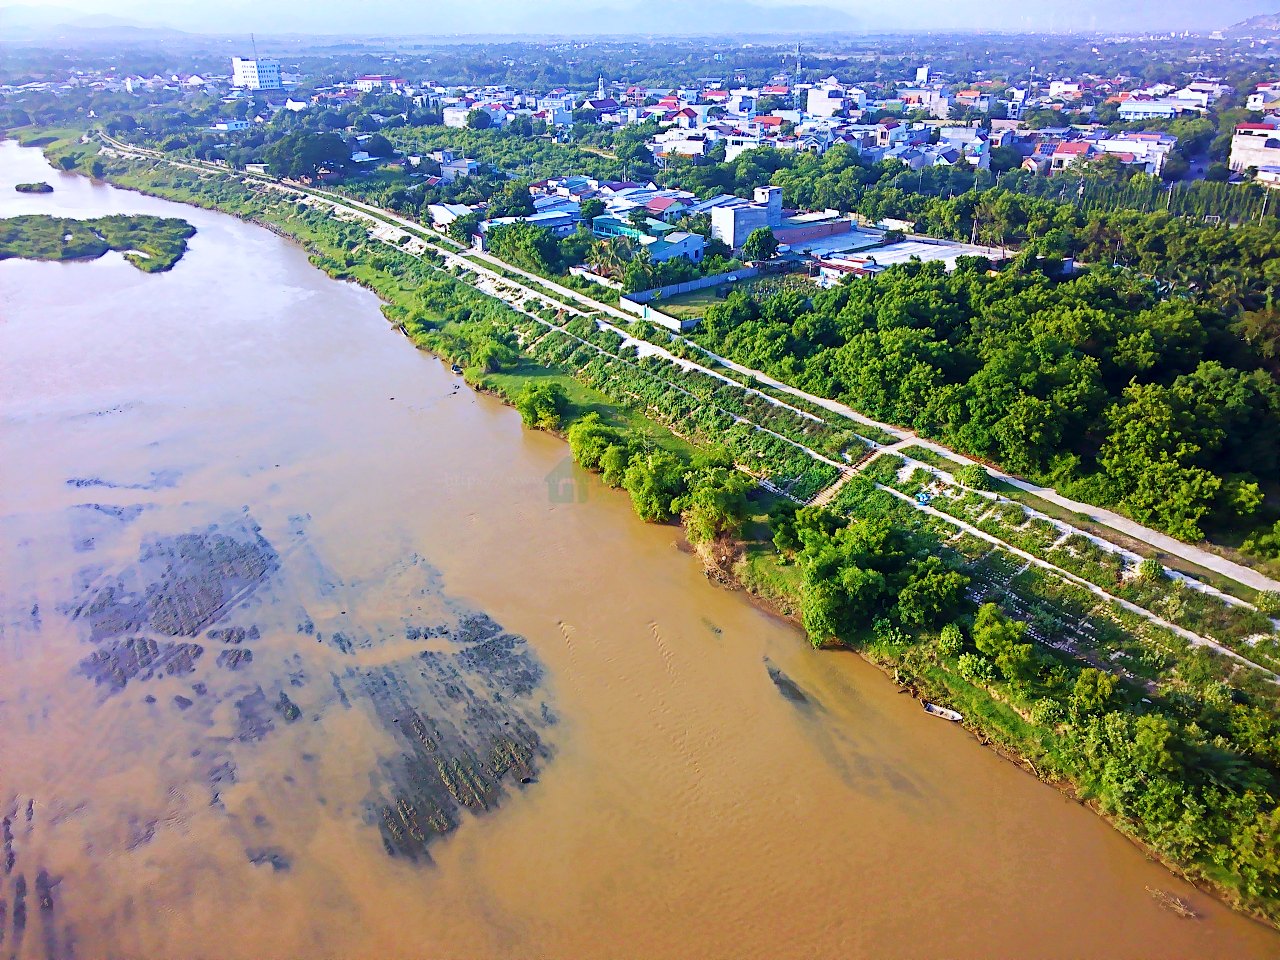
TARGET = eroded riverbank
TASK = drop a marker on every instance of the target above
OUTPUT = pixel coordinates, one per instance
(682, 805)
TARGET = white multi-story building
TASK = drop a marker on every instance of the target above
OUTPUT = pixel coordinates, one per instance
(1149, 149)
(825, 100)
(255, 74)
(1143, 108)
(733, 223)
(1255, 145)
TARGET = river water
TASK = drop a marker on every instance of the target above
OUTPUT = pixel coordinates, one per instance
(307, 650)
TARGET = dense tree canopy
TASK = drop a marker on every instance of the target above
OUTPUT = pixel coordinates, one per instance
(1098, 383)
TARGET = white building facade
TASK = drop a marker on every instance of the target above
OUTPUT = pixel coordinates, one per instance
(252, 74)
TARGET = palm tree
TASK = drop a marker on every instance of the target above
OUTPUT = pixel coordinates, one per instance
(610, 257)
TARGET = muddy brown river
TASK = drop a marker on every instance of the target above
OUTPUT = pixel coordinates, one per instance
(306, 650)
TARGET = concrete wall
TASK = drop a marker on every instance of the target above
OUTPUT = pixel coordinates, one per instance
(733, 225)
(812, 231)
(675, 289)
(645, 312)
(1251, 150)
(594, 277)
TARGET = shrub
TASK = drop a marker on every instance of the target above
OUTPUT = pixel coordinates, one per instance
(951, 640)
(976, 669)
(1047, 713)
(1151, 570)
(1268, 602)
(541, 405)
(974, 476)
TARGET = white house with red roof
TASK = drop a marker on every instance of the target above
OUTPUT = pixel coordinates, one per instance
(1265, 96)
(890, 133)
(1147, 148)
(666, 208)
(1256, 144)
(1069, 153)
(377, 81)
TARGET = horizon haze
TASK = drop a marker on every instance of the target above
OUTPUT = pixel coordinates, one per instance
(623, 17)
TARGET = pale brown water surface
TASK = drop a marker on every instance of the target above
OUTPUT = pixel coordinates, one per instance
(287, 615)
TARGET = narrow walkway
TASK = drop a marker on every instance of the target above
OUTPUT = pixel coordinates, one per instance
(1107, 518)
(1193, 638)
(829, 494)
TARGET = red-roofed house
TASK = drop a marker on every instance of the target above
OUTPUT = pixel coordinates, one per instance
(889, 133)
(666, 208)
(688, 118)
(1073, 151)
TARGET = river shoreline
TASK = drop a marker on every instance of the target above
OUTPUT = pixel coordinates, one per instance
(927, 685)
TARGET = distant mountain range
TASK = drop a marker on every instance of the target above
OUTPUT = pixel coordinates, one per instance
(409, 17)
(666, 17)
(137, 19)
(1261, 25)
(21, 22)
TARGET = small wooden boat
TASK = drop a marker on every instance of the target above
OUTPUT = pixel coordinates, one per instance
(936, 711)
(455, 368)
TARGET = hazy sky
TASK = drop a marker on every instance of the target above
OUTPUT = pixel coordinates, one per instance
(662, 16)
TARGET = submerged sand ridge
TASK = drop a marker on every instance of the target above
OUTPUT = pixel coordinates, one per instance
(461, 699)
(459, 708)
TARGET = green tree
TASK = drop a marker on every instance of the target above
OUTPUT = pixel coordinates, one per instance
(1002, 639)
(613, 464)
(760, 244)
(932, 593)
(513, 200)
(526, 245)
(655, 480)
(1092, 692)
(590, 439)
(479, 120)
(715, 504)
(463, 228)
(541, 404)
(951, 640)
(379, 146)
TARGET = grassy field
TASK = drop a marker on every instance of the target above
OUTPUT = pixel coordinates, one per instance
(696, 302)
